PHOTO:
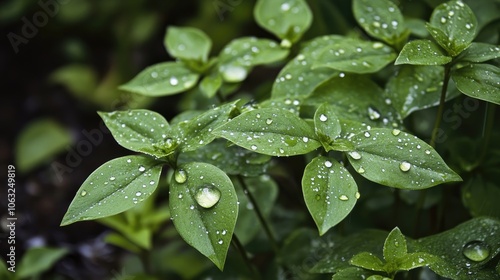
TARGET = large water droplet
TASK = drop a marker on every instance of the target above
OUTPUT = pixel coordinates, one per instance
(396, 132)
(233, 73)
(476, 251)
(180, 176)
(355, 155)
(405, 166)
(207, 196)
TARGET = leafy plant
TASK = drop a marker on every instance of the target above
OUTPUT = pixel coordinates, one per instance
(343, 103)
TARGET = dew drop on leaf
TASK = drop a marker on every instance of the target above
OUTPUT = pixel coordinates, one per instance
(344, 197)
(476, 251)
(358, 195)
(373, 113)
(355, 155)
(112, 178)
(180, 176)
(328, 163)
(405, 166)
(142, 168)
(138, 194)
(83, 193)
(323, 118)
(174, 81)
(361, 170)
(207, 196)
(269, 121)
(396, 132)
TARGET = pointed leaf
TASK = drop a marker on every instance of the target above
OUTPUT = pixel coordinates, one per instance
(210, 85)
(330, 192)
(204, 208)
(162, 79)
(368, 261)
(187, 43)
(140, 131)
(397, 159)
(38, 260)
(395, 246)
(381, 19)
(422, 52)
(114, 187)
(453, 25)
(481, 81)
(326, 124)
(270, 131)
(286, 19)
(240, 55)
(355, 55)
(480, 52)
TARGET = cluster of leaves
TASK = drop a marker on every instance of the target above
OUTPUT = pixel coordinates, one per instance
(323, 104)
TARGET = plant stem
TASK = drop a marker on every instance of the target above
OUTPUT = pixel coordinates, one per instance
(262, 220)
(241, 250)
(487, 129)
(422, 194)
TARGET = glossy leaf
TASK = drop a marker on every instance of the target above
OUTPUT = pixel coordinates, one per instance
(38, 260)
(233, 160)
(197, 132)
(141, 131)
(355, 55)
(162, 79)
(326, 124)
(453, 25)
(329, 191)
(187, 43)
(204, 208)
(418, 259)
(480, 52)
(481, 197)
(38, 142)
(210, 85)
(265, 191)
(481, 81)
(368, 261)
(287, 19)
(397, 159)
(240, 55)
(287, 103)
(270, 131)
(395, 246)
(422, 52)
(298, 78)
(381, 19)
(114, 187)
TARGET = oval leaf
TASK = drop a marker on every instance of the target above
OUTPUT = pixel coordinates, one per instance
(326, 124)
(405, 161)
(330, 192)
(270, 131)
(287, 19)
(162, 79)
(422, 52)
(481, 81)
(355, 55)
(187, 43)
(140, 131)
(114, 187)
(480, 52)
(395, 246)
(204, 208)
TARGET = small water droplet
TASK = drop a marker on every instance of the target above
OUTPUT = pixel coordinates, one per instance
(443, 20)
(305, 139)
(285, 7)
(253, 147)
(151, 182)
(224, 232)
(396, 132)
(83, 193)
(405, 166)
(328, 164)
(220, 241)
(361, 170)
(154, 74)
(367, 134)
(180, 195)
(317, 197)
(355, 155)
(269, 121)
(138, 194)
(427, 152)
(174, 81)
(207, 196)
(344, 197)
(129, 160)
(358, 195)
(323, 118)
(112, 178)
(180, 176)
(476, 251)
(142, 168)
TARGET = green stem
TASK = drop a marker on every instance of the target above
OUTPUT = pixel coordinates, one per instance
(241, 250)
(422, 195)
(260, 216)
(487, 129)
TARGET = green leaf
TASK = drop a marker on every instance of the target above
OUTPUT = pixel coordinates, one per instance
(265, 191)
(287, 19)
(480, 52)
(233, 160)
(381, 19)
(329, 191)
(38, 142)
(240, 55)
(418, 259)
(417, 27)
(395, 246)
(162, 79)
(38, 260)
(352, 273)
(5, 273)
(270, 131)
(355, 55)
(368, 261)
(79, 79)
(121, 241)
(210, 85)
(197, 132)
(481, 197)
(481, 81)
(285, 103)
(415, 88)
(453, 25)
(397, 159)
(204, 208)
(422, 52)
(114, 187)
(141, 130)
(297, 78)
(468, 250)
(187, 43)
(326, 125)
